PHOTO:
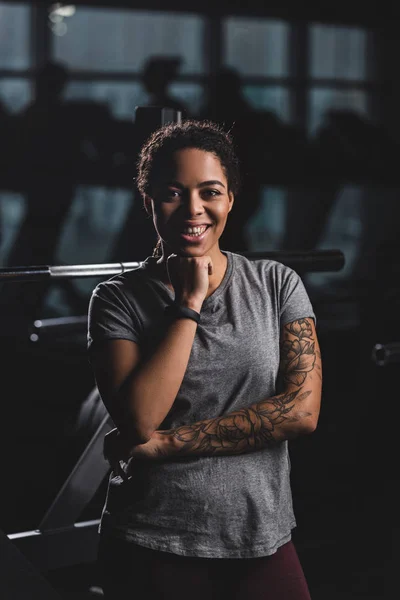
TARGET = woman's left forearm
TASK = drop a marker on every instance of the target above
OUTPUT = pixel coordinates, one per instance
(258, 426)
(281, 417)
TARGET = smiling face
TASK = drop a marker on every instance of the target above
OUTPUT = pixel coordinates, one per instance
(192, 193)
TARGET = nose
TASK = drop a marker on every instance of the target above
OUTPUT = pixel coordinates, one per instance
(194, 203)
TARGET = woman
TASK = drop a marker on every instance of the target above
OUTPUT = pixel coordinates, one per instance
(207, 363)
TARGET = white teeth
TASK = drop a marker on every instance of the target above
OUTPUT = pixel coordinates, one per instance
(194, 230)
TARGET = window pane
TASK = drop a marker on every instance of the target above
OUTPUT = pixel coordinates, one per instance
(339, 52)
(95, 219)
(122, 40)
(15, 94)
(256, 47)
(322, 100)
(12, 211)
(191, 94)
(275, 99)
(265, 228)
(343, 230)
(121, 98)
(14, 36)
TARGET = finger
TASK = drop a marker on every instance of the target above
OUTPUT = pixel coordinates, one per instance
(171, 264)
(119, 470)
(171, 259)
(122, 473)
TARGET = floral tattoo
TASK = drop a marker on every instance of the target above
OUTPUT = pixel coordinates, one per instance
(256, 427)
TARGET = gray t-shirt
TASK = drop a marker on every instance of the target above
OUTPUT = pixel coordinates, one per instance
(237, 506)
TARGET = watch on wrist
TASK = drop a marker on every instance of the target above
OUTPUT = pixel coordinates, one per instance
(181, 312)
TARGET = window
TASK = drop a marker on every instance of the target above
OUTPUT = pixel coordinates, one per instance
(14, 36)
(341, 77)
(321, 100)
(339, 53)
(256, 47)
(15, 94)
(342, 230)
(340, 71)
(15, 56)
(258, 50)
(120, 97)
(105, 40)
(112, 47)
(265, 229)
(271, 98)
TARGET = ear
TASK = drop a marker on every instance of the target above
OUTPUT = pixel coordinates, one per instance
(231, 200)
(148, 205)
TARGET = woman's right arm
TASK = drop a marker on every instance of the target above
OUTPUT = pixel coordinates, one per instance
(137, 393)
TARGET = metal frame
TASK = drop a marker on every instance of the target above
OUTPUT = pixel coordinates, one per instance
(61, 539)
(313, 260)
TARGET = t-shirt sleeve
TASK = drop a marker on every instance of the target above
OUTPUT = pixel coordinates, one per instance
(111, 316)
(295, 302)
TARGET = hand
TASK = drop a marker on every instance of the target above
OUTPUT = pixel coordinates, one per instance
(157, 448)
(120, 454)
(189, 277)
(116, 452)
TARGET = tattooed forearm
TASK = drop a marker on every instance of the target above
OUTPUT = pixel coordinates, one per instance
(271, 420)
(241, 431)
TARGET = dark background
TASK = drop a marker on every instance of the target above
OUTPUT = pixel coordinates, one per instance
(311, 93)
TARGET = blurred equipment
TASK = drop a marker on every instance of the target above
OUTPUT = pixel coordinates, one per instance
(353, 148)
(19, 580)
(158, 73)
(383, 354)
(319, 260)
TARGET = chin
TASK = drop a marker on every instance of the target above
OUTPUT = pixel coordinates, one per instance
(191, 251)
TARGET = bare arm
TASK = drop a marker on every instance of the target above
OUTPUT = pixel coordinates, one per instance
(139, 393)
(129, 386)
(293, 412)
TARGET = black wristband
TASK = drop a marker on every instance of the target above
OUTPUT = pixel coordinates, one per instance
(181, 312)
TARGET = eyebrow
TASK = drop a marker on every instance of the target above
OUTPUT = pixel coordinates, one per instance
(202, 184)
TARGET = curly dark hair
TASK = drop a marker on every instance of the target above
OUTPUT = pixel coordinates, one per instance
(205, 135)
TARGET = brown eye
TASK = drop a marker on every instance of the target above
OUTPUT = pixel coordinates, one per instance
(169, 195)
(212, 193)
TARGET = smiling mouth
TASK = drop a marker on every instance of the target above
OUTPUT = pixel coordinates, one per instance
(194, 233)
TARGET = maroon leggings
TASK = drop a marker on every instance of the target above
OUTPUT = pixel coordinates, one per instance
(131, 572)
